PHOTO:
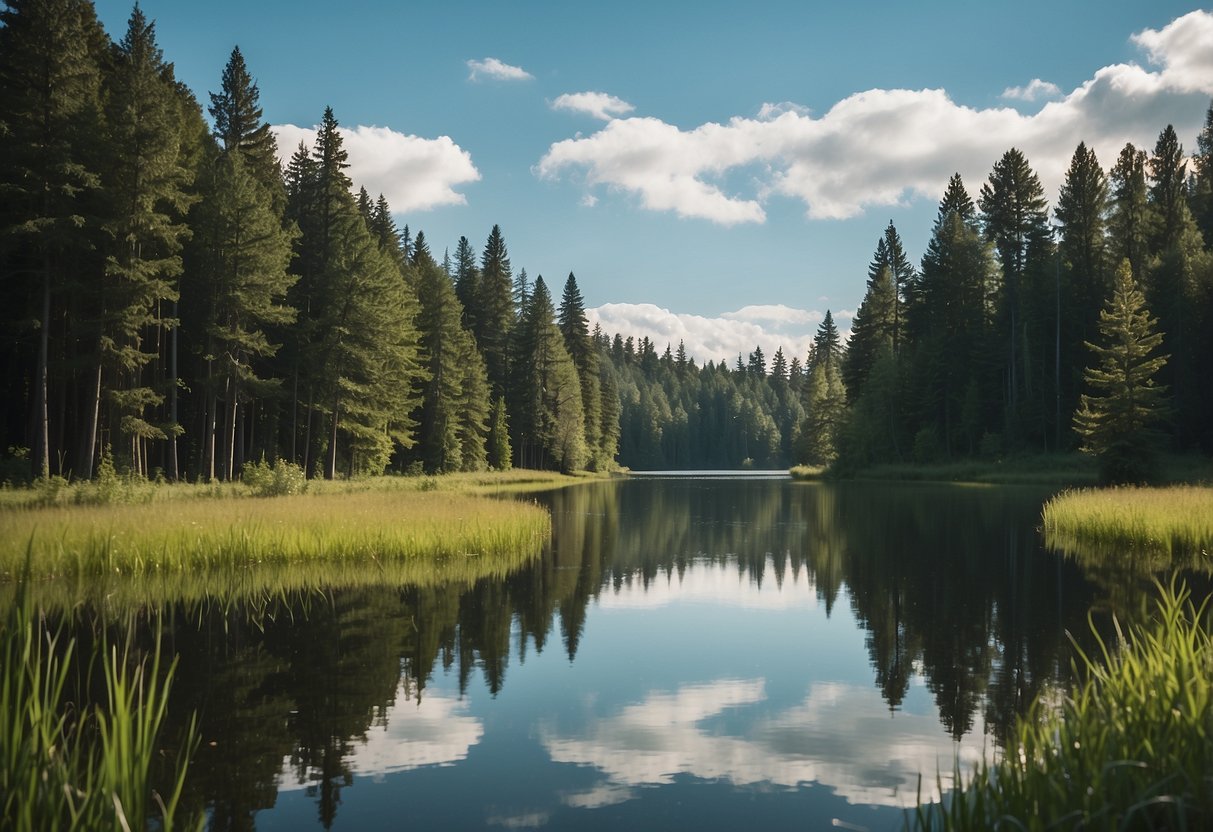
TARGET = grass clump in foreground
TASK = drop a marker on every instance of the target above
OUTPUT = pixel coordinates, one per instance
(374, 526)
(67, 766)
(1130, 747)
(1173, 522)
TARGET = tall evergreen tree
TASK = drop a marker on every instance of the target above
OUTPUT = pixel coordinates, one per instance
(240, 126)
(1128, 218)
(1202, 193)
(51, 53)
(146, 184)
(467, 281)
(890, 254)
(1015, 219)
(245, 281)
(827, 346)
(1117, 420)
(494, 310)
(547, 421)
(454, 399)
(1082, 208)
(872, 331)
(574, 326)
(1172, 285)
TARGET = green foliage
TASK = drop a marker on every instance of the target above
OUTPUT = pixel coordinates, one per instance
(1126, 523)
(74, 765)
(1117, 419)
(278, 480)
(1128, 747)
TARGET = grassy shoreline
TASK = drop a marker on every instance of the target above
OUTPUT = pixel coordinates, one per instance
(1130, 746)
(1170, 524)
(174, 530)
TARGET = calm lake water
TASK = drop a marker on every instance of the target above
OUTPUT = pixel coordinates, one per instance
(692, 653)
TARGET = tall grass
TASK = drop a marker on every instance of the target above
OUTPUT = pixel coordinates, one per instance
(1130, 747)
(68, 765)
(370, 527)
(1173, 522)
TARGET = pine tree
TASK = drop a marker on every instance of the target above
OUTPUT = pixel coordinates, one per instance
(574, 326)
(827, 346)
(500, 454)
(1117, 419)
(1016, 220)
(51, 53)
(239, 126)
(454, 396)
(467, 281)
(890, 254)
(547, 419)
(146, 185)
(244, 281)
(522, 292)
(872, 331)
(1082, 208)
(1172, 284)
(1128, 219)
(493, 320)
(1202, 193)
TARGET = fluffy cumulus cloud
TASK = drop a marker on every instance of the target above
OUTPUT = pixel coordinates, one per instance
(839, 736)
(600, 105)
(887, 147)
(720, 338)
(1034, 90)
(495, 70)
(413, 173)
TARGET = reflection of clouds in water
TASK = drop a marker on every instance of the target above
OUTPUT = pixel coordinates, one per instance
(721, 584)
(526, 820)
(603, 794)
(433, 732)
(840, 736)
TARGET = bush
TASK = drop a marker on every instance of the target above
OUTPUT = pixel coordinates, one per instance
(278, 480)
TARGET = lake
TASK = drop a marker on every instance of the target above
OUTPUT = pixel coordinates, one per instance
(690, 653)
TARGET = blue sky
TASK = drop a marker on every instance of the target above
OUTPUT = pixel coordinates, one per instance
(756, 151)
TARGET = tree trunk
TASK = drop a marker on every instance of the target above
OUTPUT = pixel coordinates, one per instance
(88, 447)
(330, 467)
(229, 431)
(174, 470)
(42, 440)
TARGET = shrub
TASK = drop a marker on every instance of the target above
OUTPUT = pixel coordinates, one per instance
(278, 480)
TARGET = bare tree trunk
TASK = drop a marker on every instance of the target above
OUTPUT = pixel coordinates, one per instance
(229, 439)
(330, 468)
(42, 440)
(174, 470)
(88, 448)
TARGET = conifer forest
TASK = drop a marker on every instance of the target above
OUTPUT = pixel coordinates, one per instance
(178, 300)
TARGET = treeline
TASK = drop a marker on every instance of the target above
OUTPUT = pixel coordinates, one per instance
(174, 297)
(982, 350)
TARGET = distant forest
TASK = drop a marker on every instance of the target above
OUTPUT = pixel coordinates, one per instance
(177, 303)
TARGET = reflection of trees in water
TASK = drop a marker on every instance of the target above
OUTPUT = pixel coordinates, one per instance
(944, 580)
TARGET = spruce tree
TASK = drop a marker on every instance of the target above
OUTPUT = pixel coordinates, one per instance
(244, 281)
(240, 126)
(890, 254)
(574, 326)
(51, 53)
(467, 280)
(1202, 192)
(1015, 219)
(146, 184)
(500, 454)
(547, 421)
(1117, 420)
(493, 320)
(1129, 213)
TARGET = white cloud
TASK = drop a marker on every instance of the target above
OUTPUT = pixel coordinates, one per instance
(496, 70)
(839, 736)
(720, 585)
(888, 147)
(600, 105)
(1033, 90)
(771, 110)
(719, 338)
(437, 731)
(589, 200)
(413, 173)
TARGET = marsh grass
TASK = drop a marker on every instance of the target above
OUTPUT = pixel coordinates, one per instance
(1164, 527)
(307, 531)
(66, 764)
(808, 473)
(1129, 747)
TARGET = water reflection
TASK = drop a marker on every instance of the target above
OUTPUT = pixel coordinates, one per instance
(757, 635)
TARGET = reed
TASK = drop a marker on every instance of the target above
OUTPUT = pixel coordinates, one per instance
(228, 534)
(1164, 523)
(65, 764)
(1129, 747)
